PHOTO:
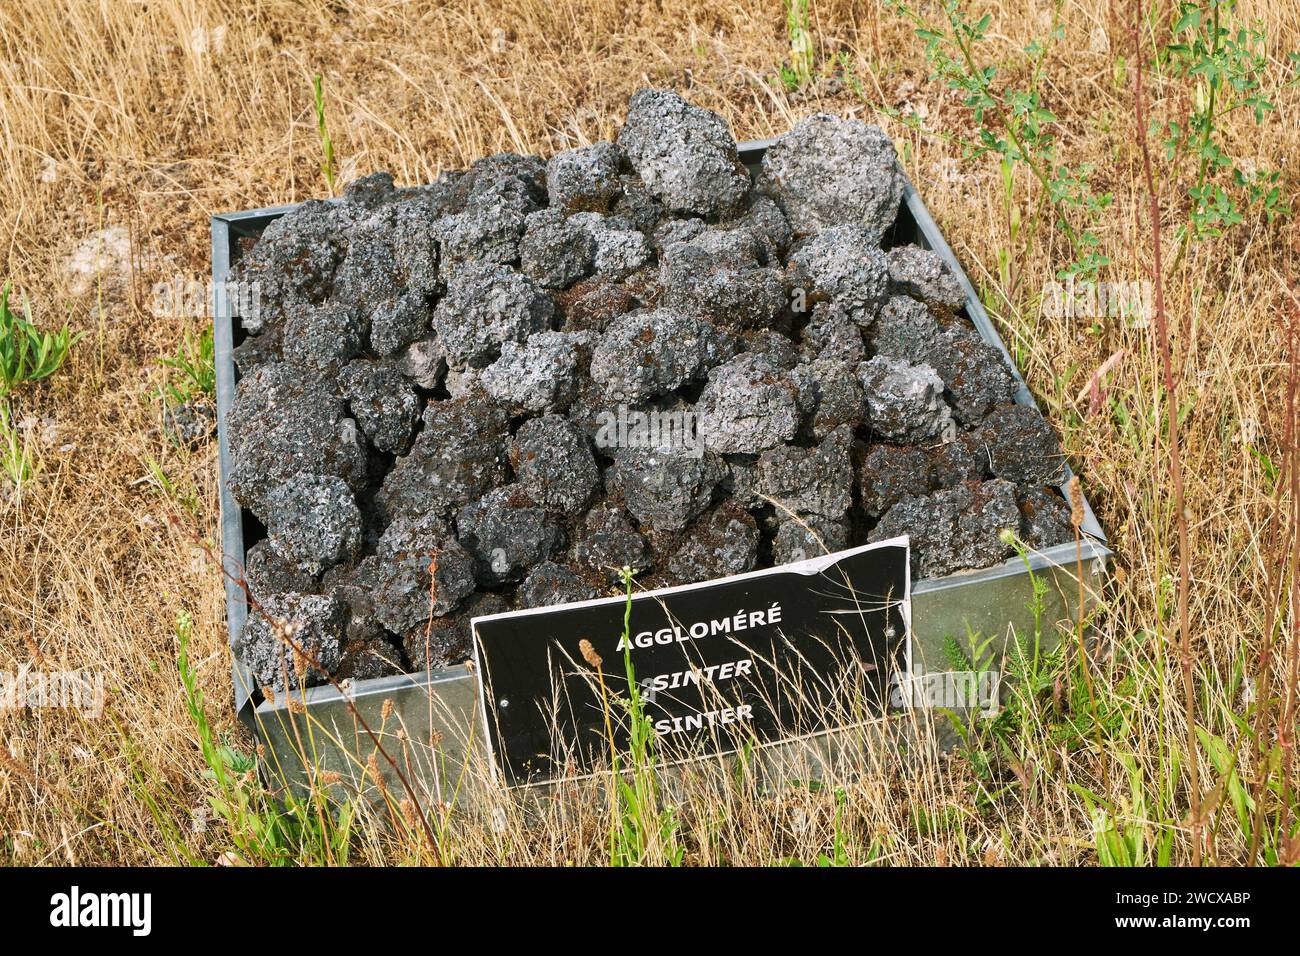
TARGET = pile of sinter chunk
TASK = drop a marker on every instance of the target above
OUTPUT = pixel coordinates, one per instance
(441, 386)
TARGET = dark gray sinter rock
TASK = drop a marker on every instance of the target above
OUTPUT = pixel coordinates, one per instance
(556, 251)
(685, 155)
(664, 488)
(293, 264)
(924, 275)
(291, 636)
(422, 572)
(541, 375)
(554, 465)
(608, 541)
(720, 543)
(716, 275)
(904, 401)
(829, 172)
(507, 533)
(961, 527)
(844, 266)
(487, 305)
(383, 403)
(550, 583)
(458, 455)
(285, 420)
(809, 481)
(314, 522)
(585, 179)
(748, 406)
(1022, 446)
(651, 353)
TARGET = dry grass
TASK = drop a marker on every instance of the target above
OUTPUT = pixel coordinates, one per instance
(147, 118)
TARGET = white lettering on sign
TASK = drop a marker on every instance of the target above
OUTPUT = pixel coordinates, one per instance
(706, 718)
(740, 621)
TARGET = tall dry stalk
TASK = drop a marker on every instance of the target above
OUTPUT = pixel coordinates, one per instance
(1173, 446)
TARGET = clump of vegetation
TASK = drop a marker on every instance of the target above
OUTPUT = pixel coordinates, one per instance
(193, 371)
(327, 166)
(28, 354)
(798, 70)
(17, 462)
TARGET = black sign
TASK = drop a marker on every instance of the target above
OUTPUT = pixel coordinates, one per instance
(753, 659)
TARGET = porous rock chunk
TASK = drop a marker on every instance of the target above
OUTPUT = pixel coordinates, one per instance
(685, 155)
(457, 456)
(716, 274)
(1044, 518)
(829, 171)
(592, 304)
(974, 372)
(665, 488)
(809, 481)
(637, 205)
(260, 349)
(498, 194)
(408, 226)
(368, 659)
(645, 354)
(398, 322)
(424, 363)
(285, 420)
(539, 376)
(924, 275)
(369, 274)
(314, 624)
(367, 193)
(384, 405)
(889, 474)
(323, 337)
(507, 533)
(844, 265)
(904, 401)
(832, 395)
(748, 406)
(267, 572)
(965, 458)
(960, 527)
(807, 536)
(488, 232)
(447, 640)
(620, 250)
(1022, 446)
(720, 543)
(487, 305)
(831, 334)
(609, 541)
(422, 572)
(314, 521)
(554, 465)
(586, 178)
(777, 348)
(765, 222)
(292, 264)
(354, 584)
(556, 251)
(905, 329)
(550, 583)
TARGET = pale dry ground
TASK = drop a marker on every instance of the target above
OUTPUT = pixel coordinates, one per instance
(147, 118)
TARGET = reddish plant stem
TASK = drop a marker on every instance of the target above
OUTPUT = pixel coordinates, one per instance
(1173, 445)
